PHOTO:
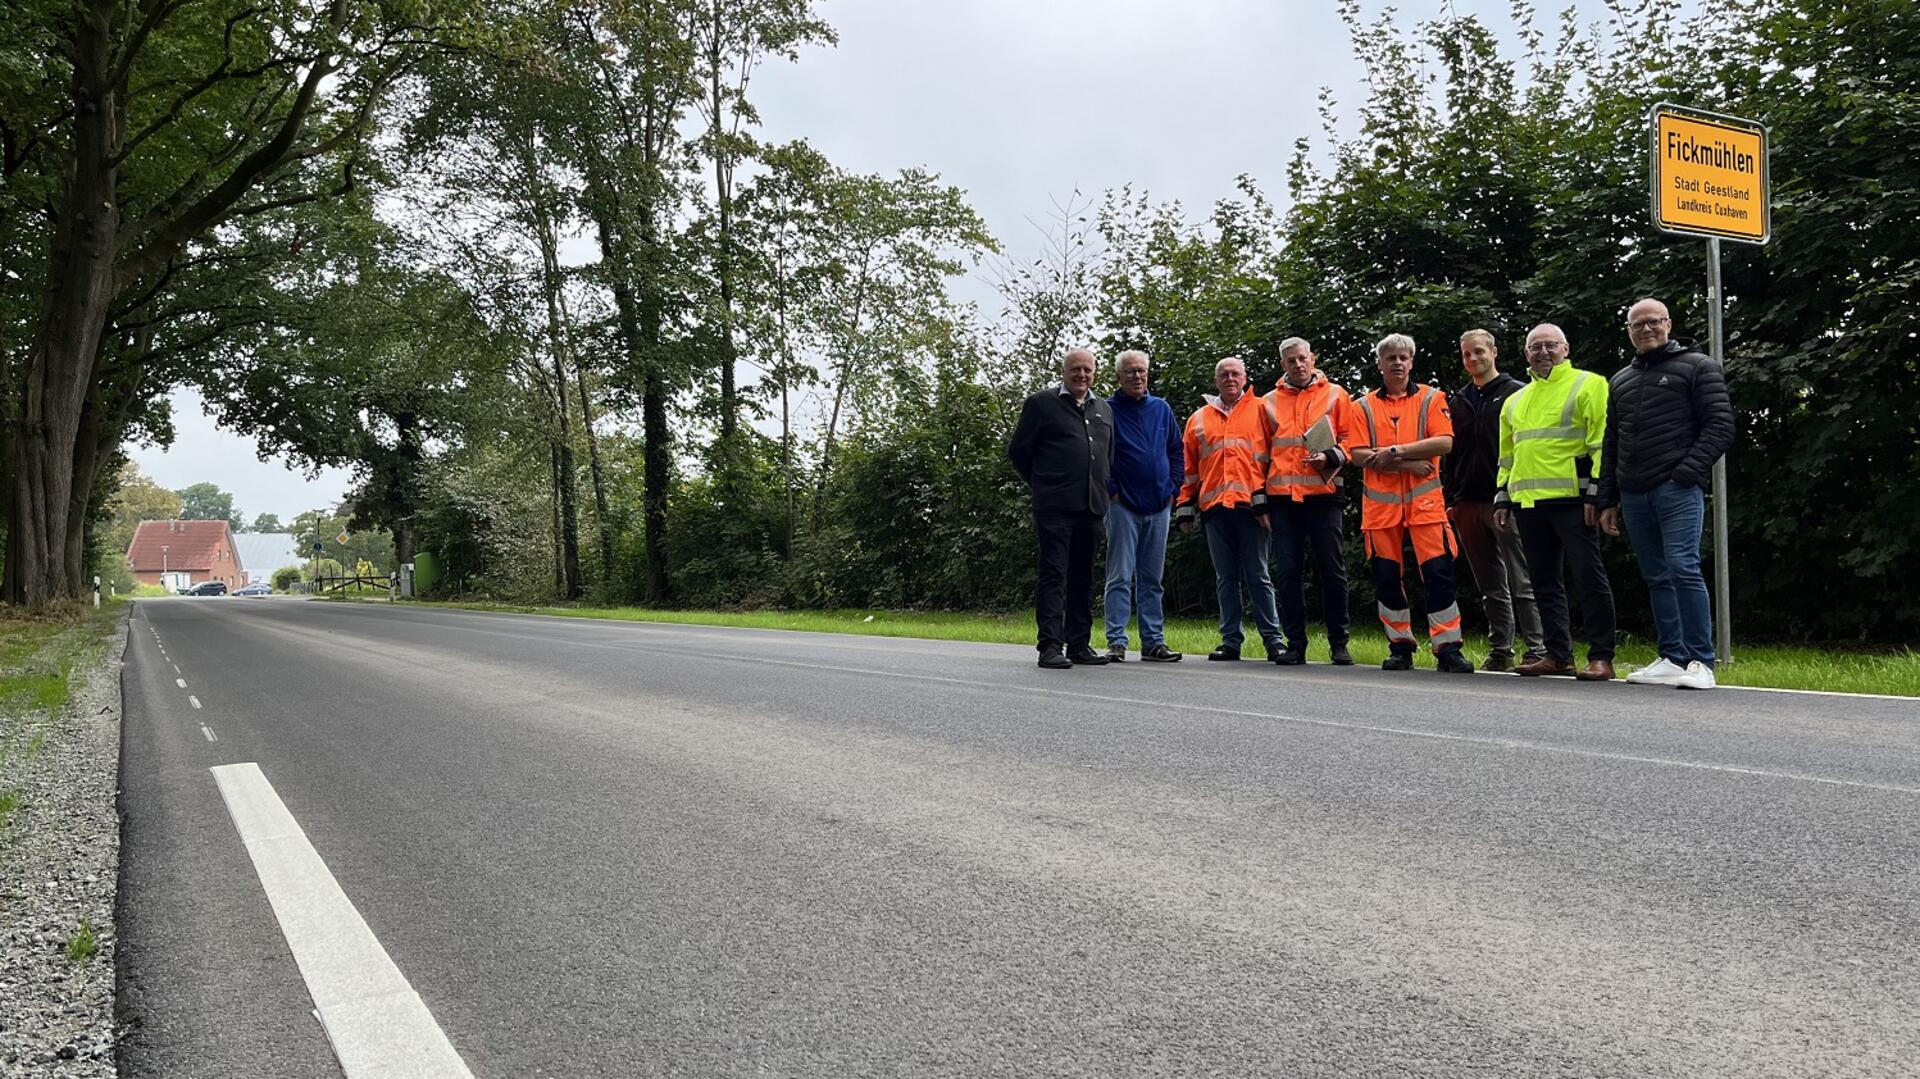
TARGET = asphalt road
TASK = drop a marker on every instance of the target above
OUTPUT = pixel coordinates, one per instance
(601, 849)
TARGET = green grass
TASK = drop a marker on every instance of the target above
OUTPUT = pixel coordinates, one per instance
(84, 943)
(1894, 672)
(40, 660)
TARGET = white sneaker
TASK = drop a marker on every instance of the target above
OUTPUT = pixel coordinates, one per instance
(1698, 676)
(1661, 672)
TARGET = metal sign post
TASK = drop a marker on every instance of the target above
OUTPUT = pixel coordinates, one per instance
(1710, 177)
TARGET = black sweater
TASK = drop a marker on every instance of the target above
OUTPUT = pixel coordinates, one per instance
(1064, 453)
(1668, 418)
(1467, 473)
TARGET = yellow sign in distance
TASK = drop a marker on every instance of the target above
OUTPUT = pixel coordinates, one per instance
(342, 538)
(1710, 175)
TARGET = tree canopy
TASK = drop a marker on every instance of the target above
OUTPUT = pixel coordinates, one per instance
(532, 272)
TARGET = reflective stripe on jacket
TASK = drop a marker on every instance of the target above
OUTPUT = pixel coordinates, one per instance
(1226, 454)
(1550, 437)
(1290, 412)
(1402, 498)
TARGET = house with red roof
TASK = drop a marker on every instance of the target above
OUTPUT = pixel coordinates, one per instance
(201, 550)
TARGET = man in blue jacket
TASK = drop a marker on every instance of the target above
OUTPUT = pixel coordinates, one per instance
(1147, 462)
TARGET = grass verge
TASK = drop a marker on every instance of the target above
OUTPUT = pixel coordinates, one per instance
(1894, 672)
(38, 660)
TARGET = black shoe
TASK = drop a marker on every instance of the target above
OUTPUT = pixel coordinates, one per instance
(1086, 657)
(1159, 653)
(1342, 657)
(1225, 652)
(1053, 660)
(1290, 657)
(1399, 661)
(1452, 662)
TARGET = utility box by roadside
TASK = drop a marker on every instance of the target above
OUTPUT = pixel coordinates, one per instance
(426, 573)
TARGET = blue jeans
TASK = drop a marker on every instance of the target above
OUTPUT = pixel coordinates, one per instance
(1136, 556)
(1239, 548)
(1664, 525)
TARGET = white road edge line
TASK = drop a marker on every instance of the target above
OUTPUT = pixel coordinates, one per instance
(743, 630)
(1349, 725)
(208, 731)
(376, 1022)
(195, 701)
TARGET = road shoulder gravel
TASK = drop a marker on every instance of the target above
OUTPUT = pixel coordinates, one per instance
(59, 870)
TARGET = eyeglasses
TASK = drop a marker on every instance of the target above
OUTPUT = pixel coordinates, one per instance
(1540, 348)
(1647, 323)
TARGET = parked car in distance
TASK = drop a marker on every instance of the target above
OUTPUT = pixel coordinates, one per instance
(254, 590)
(208, 588)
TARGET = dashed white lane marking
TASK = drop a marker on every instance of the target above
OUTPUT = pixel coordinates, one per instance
(378, 1025)
(195, 701)
(181, 682)
(208, 731)
(176, 667)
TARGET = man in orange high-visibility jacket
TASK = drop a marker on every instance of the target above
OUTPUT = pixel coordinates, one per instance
(1403, 432)
(1225, 488)
(1306, 505)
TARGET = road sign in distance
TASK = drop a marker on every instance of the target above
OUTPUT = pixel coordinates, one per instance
(1710, 175)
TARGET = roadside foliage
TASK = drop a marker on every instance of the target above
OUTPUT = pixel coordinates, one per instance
(584, 335)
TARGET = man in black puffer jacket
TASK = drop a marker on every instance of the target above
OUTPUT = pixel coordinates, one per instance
(1668, 421)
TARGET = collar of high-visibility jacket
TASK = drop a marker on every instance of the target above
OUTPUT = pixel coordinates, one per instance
(1283, 384)
(1560, 370)
(1224, 409)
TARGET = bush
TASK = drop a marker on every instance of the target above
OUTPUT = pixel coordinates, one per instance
(285, 578)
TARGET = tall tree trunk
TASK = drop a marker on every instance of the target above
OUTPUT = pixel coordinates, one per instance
(559, 549)
(602, 525)
(723, 200)
(571, 587)
(405, 485)
(45, 429)
(850, 346)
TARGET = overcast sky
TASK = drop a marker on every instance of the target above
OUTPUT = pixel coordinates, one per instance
(1017, 102)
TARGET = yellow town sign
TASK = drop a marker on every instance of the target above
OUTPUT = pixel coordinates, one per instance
(1710, 175)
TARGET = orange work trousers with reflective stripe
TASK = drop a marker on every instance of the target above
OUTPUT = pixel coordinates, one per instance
(1433, 548)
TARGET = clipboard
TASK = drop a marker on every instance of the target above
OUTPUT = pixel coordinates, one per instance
(1319, 438)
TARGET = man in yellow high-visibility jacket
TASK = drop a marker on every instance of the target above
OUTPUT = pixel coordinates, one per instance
(1551, 432)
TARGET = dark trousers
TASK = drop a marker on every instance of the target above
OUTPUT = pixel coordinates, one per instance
(1063, 595)
(1316, 524)
(1500, 569)
(1551, 530)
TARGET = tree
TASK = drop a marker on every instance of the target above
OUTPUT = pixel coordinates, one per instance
(174, 119)
(266, 522)
(731, 39)
(207, 502)
(135, 499)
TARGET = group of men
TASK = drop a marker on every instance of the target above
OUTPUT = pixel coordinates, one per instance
(1520, 477)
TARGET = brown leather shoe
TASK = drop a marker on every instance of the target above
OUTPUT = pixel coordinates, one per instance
(1599, 670)
(1545, 665)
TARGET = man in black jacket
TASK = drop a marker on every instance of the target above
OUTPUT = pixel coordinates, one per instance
(1467, 474)
(1669, 421)
(1063, 447)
